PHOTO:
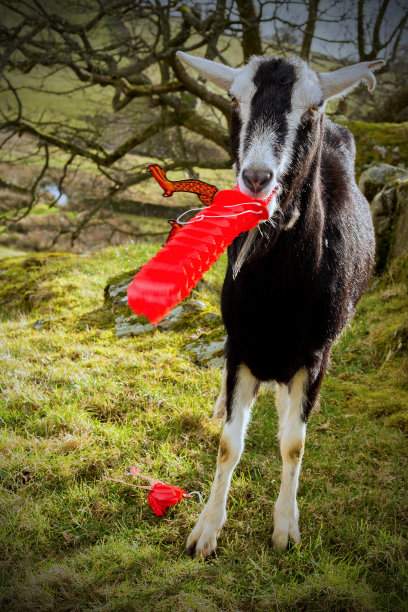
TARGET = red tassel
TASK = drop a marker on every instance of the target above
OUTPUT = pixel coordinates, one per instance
(164, 495)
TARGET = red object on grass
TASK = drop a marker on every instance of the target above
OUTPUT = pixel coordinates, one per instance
(161, 495)
(164, 495)
(175, 270)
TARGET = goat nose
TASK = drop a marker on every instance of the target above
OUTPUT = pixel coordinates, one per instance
(256, 179)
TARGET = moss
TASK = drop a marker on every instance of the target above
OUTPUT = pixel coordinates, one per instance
(399, 270)
(400, 420)
(395, 274)
(367, 135)
(27, 281)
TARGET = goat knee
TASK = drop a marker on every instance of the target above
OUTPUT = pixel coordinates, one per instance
(292, 451)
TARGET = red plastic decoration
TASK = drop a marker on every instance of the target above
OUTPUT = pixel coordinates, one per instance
(175, 228)
(161, 495)
(164, 495)
(205, 191)
(175, 270)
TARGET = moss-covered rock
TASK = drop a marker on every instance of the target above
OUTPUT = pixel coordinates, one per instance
(208, 349)
(399, 270)
(379, 142)
(192, 313)
(389, 209)
(376, 176)
(399, 340)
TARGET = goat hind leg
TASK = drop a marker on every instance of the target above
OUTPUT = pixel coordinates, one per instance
(220, 407)
(241, 391)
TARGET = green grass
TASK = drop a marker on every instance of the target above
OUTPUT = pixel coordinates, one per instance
(6, 252)
(78, 404)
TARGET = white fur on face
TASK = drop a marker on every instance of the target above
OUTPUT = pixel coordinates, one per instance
(260, 154)
(306, 93)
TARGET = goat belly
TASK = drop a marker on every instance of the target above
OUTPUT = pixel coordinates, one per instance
(175, 270)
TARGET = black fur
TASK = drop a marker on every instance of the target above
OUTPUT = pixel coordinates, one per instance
(295, 293)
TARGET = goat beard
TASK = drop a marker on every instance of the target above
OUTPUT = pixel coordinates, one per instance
(258, 241)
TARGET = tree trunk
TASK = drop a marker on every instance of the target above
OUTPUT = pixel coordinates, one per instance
(310, 30)
(251, 33)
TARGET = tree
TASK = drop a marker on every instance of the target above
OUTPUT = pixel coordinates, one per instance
(139, 98)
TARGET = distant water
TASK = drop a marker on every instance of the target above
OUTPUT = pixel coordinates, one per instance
(56, 193)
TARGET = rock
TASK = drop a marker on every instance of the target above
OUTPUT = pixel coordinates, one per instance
(207, 351)
(134, 325)
(400, 246)
(127, 324)
(186, 308)
(131, 326)
(389, 210)
(376, 176)
(382, 151)
(395, 155)
(39, 324)
(116, 287)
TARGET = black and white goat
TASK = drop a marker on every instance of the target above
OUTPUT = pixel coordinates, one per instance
(293, 282)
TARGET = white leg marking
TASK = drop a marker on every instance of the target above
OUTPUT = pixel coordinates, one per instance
(282, 405)
(292, 432)
(203, 539)
(220, 408)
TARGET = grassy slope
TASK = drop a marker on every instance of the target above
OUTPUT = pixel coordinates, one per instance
(77, 404)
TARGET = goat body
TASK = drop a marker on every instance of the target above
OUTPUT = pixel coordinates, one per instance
(295, 293)
(292, 283)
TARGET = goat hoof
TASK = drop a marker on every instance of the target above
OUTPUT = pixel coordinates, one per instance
(202, 542)
(280, 540)
(190, 550)
(286, 537)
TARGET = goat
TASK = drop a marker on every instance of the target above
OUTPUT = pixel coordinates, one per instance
(292, 283)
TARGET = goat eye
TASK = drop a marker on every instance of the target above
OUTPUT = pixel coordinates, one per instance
(311, 113)
(234, 101)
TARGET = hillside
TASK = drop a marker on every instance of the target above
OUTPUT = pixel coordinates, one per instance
(78, 404)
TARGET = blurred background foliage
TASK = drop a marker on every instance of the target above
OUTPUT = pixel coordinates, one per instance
(91, 92)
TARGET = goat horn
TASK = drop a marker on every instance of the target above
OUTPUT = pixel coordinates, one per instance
(340, 82)
(220, 74)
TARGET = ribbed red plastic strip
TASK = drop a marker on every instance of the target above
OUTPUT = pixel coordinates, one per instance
(175, 270)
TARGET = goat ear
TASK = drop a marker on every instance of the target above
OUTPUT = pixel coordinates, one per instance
(221, 75)
(340, 82)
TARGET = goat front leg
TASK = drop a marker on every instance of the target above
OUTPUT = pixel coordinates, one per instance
(292, 433)
(241, 390)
